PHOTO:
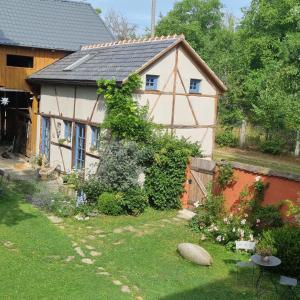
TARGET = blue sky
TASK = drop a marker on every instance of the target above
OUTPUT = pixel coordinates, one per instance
(138, 11)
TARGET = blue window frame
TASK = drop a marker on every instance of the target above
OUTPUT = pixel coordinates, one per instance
(68, 131)
(45, 145)
(151, 82)
(95, 143)
(195, 85)
(79, 159)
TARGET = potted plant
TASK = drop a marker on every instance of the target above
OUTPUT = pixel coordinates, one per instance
(265, 249)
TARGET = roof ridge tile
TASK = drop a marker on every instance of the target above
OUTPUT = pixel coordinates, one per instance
(133, 41)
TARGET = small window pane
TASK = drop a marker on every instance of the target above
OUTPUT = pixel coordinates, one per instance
(195, 85)
(151, 82)
(95, 143)
(19, 61)
(68, 131)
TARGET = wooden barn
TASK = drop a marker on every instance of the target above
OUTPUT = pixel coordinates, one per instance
(178, 86)
(33, 35)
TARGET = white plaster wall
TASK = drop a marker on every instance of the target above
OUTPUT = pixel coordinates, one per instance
(57, 158)
(203, 107)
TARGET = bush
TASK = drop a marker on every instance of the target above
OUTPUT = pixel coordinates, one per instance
(286, 241)
(110, 204)
(226, 139)
(134, 201)
(166, 175)
(119, 166)
(266, 217)
(92, 188)
(273, 146)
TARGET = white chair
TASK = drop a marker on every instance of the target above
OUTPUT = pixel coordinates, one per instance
(245, 246)
(290, 284)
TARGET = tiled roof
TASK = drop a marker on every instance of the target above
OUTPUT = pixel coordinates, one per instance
(50, 24)
(106, 61)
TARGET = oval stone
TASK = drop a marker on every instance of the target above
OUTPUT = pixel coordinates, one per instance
(195, 254)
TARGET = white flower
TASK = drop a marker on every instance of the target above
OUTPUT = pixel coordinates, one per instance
(233, 229)
(257, 178)
(242, 233)
(225, 220)
(219, 238)
(251, 237)
(246, 215)
(231, 215)
(257, 221)
(243, 222)
(197, 204)
(203, 237)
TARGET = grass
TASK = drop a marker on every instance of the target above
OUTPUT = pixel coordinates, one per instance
(289, 164)
(142, 256)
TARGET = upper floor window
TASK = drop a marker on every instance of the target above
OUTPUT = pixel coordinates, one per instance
(195, 85)
(95, 142)
(151, 82)
(68, 131)
(19, 61)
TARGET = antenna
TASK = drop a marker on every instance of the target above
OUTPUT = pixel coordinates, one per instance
(153, 18)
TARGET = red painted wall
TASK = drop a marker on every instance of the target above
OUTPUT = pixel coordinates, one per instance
(279, 188)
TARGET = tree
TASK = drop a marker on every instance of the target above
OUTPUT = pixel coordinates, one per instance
(120, 26)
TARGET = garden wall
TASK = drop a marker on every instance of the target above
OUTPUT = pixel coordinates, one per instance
(282, 186)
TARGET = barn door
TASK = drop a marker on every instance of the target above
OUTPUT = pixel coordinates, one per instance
(45, 145)
(79, 157)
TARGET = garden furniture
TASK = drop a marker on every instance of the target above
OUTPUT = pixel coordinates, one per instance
(246, 246)
(290, 284)
(265, 265)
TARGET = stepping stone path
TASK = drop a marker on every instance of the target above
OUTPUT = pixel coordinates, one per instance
(89, 247)
(125, 289)
(185, 214)
(70, 258)
(98, 231)
(101, 235)
(101, 268)
(118, 243)
(55, 219)
(118, 230)
(95, 253)
(103, 273)
(74, 244)
(91, 237)
(117, 282)
(88, 261)
(79, 251)
(8, 244)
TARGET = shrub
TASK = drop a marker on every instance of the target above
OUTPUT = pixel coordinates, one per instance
(225, 176)
(273, 146)
(286, 241)
(92, 188)
(118, 168)
(166, 175)
(110, 204)
(266, 217)
(134, 201)
(226, 139)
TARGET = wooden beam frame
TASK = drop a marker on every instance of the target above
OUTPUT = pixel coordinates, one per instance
(174, 87)
(162, 92)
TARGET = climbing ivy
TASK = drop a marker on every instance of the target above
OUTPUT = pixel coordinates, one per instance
(124, 118)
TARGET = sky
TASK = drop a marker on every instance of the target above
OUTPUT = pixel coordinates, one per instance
(139, 11)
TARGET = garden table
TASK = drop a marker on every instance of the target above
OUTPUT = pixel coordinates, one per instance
(264, 268)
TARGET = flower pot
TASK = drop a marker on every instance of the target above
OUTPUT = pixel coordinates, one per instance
(265, 259)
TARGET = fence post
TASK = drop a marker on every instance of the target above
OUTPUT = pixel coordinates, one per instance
(297, 148)
(243, 134)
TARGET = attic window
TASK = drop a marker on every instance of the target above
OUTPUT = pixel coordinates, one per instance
(19, 61)
(77, 63)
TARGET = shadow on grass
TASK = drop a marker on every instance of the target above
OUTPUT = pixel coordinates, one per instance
(232, 287)
(11, 200)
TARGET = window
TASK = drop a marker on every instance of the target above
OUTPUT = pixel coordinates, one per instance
(68, 131)
(152, 82)
(195, 85)
(19, 61)
(95, 143)
(79, 151)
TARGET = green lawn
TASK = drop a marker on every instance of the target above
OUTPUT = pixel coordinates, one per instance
(139, 252)
(281, 163)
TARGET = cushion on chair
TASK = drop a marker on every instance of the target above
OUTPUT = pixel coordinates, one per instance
(284, 280)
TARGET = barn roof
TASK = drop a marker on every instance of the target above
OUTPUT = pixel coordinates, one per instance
(115, 60)
(50, 24)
